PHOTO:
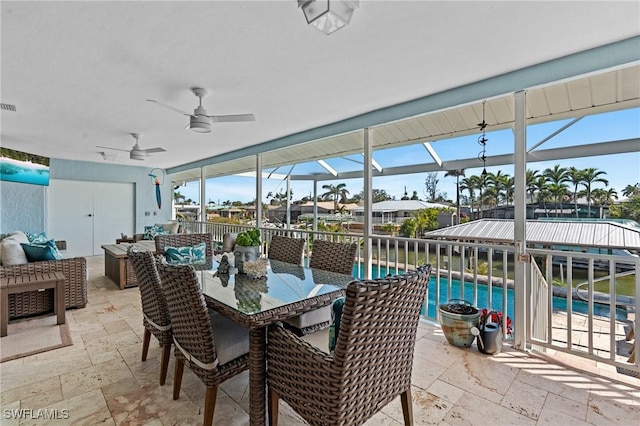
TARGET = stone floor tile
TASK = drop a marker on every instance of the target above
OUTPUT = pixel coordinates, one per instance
(524, 399)
(474, 410)
(603, 410)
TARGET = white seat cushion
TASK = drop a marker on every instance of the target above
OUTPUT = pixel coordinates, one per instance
(231, 339)
(318, 316)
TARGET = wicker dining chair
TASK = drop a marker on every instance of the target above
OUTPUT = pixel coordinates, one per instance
(334, 257)
(214, 347)
(372, 361)
(184, 240)
(155, 315)
(286, 249)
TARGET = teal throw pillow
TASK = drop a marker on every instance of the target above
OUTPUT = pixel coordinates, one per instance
(334, 327)
(186, 255)
(151, 231)
(40, 252)
(40, 238)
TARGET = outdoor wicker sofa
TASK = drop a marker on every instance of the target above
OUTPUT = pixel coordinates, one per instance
(39, 302)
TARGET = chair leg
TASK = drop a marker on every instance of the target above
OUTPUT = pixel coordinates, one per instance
(407, 407)
(177, 378)
(273, 407)
(210, 405)
(145, 343)
(164, 363)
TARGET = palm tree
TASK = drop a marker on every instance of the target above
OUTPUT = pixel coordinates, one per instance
(531, 183)
(483, 181)
(576, 178)
(543, 195)
(334, 192)
(557, 191)
(557, 176)
(470, 184)
(457, 174)
(604, 197)
(592, 175)
(630, 190)
(498, 183)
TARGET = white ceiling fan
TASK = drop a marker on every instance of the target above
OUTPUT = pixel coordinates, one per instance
(136, 153)
(200, 121)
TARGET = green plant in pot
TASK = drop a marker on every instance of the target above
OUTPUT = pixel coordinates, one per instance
(247, 248)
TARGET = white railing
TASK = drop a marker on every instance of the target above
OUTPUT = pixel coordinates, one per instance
(538, 291)
(558, 318)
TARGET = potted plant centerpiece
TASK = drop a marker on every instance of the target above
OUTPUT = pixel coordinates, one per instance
(247, 248)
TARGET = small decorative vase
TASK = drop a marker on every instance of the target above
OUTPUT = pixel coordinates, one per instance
(245, 254)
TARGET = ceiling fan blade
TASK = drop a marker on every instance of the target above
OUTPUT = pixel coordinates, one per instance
(232, 118)
(167, 106)
(152, 150)
(115, 149)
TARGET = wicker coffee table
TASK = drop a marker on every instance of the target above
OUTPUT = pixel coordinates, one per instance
(116, 263)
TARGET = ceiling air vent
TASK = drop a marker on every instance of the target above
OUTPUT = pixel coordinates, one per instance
(7, 107)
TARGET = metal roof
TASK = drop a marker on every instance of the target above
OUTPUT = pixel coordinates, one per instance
(547, 232)
(610, 90)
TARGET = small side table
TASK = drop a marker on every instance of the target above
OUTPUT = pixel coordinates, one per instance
(125, 240)
(32, 282)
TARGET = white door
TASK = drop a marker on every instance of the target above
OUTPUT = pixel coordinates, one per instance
(89, 214)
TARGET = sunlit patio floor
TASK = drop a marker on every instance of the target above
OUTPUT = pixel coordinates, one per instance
(101, 380)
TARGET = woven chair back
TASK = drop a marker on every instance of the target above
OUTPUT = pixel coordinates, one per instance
(154, 305)
(286, 249)
(189, 319)
(378, 326)
(184, 240)
(333, 257)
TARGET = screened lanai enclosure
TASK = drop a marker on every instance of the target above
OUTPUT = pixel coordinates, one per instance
(582, 302)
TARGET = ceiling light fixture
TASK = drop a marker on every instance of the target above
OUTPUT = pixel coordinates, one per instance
(200, 123)
(328, 15)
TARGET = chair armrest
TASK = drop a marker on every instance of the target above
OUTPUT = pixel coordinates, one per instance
(282, 339)
(61, 244)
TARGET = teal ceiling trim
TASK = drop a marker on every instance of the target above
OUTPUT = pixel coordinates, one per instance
(598, 58)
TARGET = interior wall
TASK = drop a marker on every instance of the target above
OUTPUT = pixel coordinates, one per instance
(24, 206)
(146, 208)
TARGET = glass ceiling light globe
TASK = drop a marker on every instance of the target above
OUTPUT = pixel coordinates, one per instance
(200, 124)
(328, 15)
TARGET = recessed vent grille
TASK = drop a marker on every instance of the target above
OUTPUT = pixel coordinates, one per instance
(7, 107)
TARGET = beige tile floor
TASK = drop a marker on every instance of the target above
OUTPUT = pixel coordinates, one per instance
(101, 380)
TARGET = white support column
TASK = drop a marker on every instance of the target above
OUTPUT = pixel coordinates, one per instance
(368, 185)
(288, 201)
(258, 191)
(203, 201)
(315, 204)
(520, 221)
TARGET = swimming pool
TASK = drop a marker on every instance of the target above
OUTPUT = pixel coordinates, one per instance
(559, 303)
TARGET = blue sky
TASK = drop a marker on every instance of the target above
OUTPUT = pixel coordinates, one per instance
(621, 169)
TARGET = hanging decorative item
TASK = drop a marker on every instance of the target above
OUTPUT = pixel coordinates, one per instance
(157, 182)
(482, 140)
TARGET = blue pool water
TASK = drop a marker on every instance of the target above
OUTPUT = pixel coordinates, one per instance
(559, 303)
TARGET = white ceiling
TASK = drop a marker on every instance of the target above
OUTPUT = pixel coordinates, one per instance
(79, 73)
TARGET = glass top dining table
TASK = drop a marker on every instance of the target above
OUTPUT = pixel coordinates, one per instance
(286, 291)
